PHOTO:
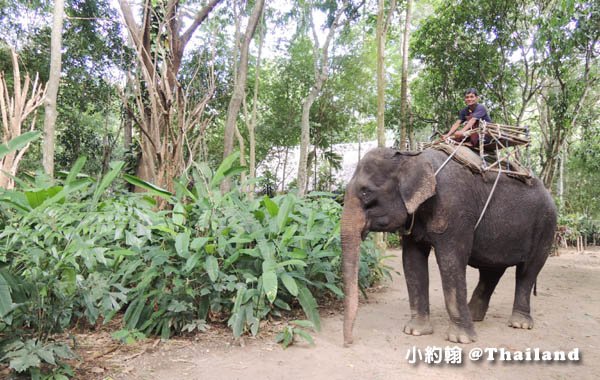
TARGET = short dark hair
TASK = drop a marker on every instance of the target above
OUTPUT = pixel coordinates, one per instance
(471, 91)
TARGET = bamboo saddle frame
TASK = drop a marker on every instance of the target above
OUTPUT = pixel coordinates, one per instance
(502, 152)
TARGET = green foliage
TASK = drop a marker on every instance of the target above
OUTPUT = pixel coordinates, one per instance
(18, 142)
(573, 226)
(30, 354)
(93, 52)
(293, 330)
(81, 250)
(466, 46)
(583, 172)
(128, 336)
(393, 240)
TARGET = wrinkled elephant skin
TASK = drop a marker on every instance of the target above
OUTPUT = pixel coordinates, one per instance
(400, 192)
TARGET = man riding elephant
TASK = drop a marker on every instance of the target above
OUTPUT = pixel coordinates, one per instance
(468, 117)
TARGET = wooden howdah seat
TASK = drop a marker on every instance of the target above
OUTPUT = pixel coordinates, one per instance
(502, 152)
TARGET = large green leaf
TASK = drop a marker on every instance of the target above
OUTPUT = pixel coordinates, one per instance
(295, 262)
(37, 197)
(237, 321)
(151, 188)
(179, 214)
(306, 336)
(303, 323)
(269, 281)
(5, 299)
(62, 194)
(271, 206)
(289, 283)
(198, 243)
(224, 169)
(107, 180)
(211, 264)
(284, 211)
(24, 360)
(182, 244)
(18, 142)
(134, 311)
(309, 305)
(75, 170)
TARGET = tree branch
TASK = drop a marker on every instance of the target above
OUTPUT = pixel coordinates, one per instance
(199, 19)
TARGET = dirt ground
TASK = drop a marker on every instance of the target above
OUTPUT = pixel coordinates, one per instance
(566, 312)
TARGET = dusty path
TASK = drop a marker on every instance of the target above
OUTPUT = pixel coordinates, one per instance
(566, 312)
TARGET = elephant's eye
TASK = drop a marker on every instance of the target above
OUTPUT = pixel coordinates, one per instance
(366, 196)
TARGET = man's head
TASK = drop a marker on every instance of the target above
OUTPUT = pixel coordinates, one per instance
(471, 96)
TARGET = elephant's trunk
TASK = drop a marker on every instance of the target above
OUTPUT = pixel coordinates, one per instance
(352, 225)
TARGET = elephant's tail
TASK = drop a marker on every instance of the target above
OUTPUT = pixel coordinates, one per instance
(535, 288)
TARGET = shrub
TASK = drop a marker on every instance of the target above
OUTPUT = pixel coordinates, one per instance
(85, 251)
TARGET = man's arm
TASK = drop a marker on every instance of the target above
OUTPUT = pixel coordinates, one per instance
(468, 126)
(452, 129)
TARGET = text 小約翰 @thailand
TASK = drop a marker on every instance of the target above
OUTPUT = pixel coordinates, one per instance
(454, 355)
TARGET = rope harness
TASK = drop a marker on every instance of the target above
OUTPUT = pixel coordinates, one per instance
(489, 198)
(491, 192)
(450, 156)
(412, 223)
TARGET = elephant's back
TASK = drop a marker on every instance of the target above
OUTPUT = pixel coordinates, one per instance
(507, 195)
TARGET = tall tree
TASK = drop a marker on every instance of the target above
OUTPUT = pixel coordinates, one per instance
(491, 47)
(404, 106)
(52, 88)
(571, 62)
(383, 22)
(321, 71)
(252, 118)
(165, 118)
(239, 89)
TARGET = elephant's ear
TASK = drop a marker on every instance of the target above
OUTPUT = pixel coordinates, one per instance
(416, 182)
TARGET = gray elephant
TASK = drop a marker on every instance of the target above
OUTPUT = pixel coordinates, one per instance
(400, 191)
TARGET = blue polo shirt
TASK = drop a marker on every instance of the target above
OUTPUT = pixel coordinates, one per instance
(479, 112)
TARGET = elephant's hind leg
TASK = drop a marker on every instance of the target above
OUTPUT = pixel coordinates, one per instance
(525, 278)
(480, 300)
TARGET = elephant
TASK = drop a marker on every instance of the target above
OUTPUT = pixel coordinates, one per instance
(394, 191)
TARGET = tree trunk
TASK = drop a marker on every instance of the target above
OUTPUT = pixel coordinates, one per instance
(305, 140)
(127, 132)
(127, 117)
(284, 175)
(53, 83)
(404, 111)
(321, 66)
(239, 90)
(383, 22)
(253, 117)
(380, 36)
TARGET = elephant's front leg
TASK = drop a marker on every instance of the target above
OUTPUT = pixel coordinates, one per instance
(453, 268)
(414, 261)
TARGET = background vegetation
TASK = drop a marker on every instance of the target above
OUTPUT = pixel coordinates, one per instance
(149, 215)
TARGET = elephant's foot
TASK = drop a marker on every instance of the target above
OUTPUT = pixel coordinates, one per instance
(458, 334)
(418, 326)
(478, 309)
(520, 320)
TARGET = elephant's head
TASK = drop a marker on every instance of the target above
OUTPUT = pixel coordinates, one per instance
(386, 188)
